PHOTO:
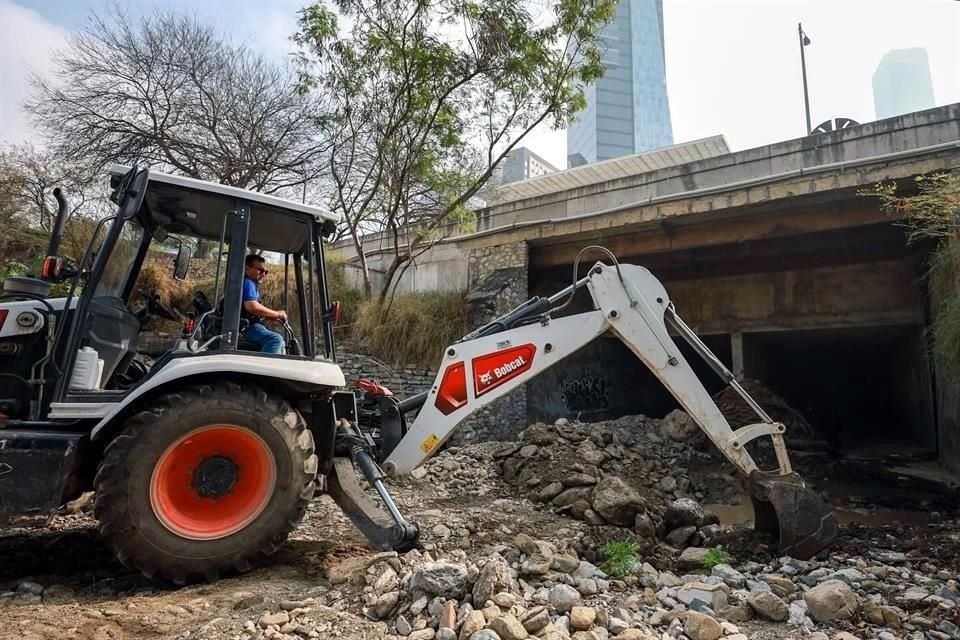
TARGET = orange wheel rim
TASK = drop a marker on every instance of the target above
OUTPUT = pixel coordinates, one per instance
(212, 482)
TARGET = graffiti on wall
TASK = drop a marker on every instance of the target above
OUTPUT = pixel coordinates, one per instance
(587, 392)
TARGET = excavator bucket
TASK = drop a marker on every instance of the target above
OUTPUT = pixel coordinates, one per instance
(787, 508)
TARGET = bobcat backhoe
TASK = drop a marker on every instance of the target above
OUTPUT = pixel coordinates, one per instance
(205, 459)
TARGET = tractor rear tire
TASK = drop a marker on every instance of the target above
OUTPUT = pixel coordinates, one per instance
(205, 482)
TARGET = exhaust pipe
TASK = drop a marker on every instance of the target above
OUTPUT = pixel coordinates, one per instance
(56, 234)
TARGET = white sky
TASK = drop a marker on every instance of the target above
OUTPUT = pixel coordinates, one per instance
(733, 66)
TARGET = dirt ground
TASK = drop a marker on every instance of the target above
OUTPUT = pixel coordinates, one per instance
(87, 594)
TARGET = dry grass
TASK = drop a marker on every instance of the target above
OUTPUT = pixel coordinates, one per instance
(944, 282)
(414, 330)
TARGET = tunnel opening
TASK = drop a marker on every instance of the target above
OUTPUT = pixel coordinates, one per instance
(605, 380)
(865, 391)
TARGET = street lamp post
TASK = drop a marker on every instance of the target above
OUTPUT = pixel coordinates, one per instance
(804, 41)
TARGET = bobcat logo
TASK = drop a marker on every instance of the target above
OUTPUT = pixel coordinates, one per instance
(486, 378)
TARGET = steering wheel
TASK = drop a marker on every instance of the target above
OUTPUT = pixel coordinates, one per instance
(155, 307)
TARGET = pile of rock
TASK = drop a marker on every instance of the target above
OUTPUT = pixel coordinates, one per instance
(542, 589)
(882, 601)
(531, 588)
(459, 471)
(627, 475)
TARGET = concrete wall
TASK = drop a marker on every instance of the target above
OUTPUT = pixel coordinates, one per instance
(441, 268)
(874, 293)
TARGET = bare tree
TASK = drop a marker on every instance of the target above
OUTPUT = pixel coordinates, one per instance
(28, 177)
(169, 90)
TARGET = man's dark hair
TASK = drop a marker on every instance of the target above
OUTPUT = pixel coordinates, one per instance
(251, 259)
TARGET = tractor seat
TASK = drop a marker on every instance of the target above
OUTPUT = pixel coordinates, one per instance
(214, 322)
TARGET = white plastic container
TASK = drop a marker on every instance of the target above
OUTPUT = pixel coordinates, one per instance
(86, 370)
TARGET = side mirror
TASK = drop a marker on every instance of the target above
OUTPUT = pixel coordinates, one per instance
(181, 265)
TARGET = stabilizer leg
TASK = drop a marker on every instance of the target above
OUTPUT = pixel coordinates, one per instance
(384, 531)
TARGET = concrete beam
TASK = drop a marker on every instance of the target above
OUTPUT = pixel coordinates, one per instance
(868, 294)
(661, 237)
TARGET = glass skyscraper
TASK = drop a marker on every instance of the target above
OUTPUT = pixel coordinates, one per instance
(627, 109)
(902, 83)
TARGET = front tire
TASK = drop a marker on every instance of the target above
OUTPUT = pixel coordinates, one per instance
(205, 482)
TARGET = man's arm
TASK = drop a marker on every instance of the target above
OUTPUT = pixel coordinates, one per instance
(257, 309)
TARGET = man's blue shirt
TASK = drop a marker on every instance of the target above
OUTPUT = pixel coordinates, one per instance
(250, 290)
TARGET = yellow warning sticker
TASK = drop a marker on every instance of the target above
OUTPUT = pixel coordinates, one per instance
(429, 444)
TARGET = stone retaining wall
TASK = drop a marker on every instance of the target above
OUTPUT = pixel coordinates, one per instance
(402, 380)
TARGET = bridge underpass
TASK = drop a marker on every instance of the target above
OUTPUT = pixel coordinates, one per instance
(830, 319)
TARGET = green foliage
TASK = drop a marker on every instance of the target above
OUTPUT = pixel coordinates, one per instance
(15, 268)
(425, 99)
(413, 329)
(714, 557)
(620, 556)
(932, 212)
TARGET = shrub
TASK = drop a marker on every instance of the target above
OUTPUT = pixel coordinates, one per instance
(620, 557)
(714, 557)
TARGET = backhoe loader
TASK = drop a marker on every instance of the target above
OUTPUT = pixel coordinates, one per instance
(205, 459)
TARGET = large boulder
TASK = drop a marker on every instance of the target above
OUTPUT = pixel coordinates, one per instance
(768, 606)
(699, 626)
(679, 426)
(692, 558)
(617, 502)
(495, 577)
(680, 537)
(507, 627)
(683, 513)
(563, 597)
(831, 600)
(569, 496)
(472, 623)
(440, 579)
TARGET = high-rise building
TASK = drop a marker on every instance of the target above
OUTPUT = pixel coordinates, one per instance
(522, 164)
(627, 109)
(902, 84)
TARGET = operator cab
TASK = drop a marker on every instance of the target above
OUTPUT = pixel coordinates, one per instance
(164, 220)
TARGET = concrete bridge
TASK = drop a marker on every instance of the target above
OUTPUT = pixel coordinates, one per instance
(770, 253)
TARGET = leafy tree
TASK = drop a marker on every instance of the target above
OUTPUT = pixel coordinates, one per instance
(169, 90)
(425, 99)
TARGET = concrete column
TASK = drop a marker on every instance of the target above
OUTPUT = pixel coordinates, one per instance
(736, 349)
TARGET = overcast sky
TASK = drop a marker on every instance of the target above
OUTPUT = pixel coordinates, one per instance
(733, 67)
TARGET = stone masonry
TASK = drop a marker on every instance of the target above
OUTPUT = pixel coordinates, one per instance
(402, 380)
(498, 283)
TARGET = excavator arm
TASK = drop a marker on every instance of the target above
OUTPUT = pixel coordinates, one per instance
(633, 305)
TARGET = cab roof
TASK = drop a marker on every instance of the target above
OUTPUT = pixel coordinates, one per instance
(188, 187)
(197, 207)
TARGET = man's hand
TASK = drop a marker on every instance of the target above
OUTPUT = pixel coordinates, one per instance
(282, 316)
